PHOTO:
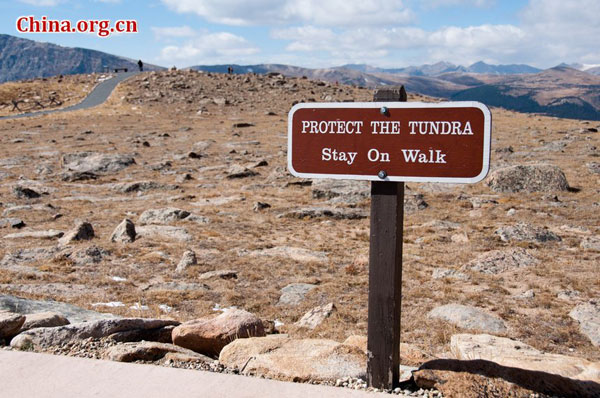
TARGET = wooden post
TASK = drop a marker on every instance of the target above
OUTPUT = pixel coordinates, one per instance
(385, 273)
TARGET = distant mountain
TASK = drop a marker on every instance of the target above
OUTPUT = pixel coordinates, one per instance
(560, 91)
(446, 67)
(483, 68)
(27, 59)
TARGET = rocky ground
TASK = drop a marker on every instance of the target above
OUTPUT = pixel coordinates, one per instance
(47, 93)
(173, 201)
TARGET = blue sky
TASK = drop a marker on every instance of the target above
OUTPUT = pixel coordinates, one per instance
(324, 33)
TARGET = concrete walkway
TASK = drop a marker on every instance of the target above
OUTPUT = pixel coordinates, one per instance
(26, 375)
(97, 96)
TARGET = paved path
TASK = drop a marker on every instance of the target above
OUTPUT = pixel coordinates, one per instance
(26, 375)
(99, 94)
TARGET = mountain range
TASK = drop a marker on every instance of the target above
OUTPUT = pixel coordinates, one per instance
(567, 90)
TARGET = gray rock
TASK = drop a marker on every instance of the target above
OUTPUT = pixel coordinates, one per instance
(124, 232)
(348, 190)
(528, 178)
(49, 234)
(525, 232)
(148, 351)
(87, 255)
(161, 335)
(187, 259)
(46, 337)
(141, 186)
(164, 232)
(43, 320)
(82, 231)
(316, 316)
(294, 293)
(96, 163)
(25, 193)
(330, 212)
(594, 167)
(10, 324)
(441, 273)
(12, 223)
(588, 316)
(591, 243)
(71, 312)
(468, 317)
(238, 171)
(221, 274)
(497, 261)
(163, 216)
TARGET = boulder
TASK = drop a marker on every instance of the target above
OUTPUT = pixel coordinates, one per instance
(590, 243)
(525, 232)
(221, 274)
(588, 316)
(329, 212)
(82, 231)
(209, 335)
(281, 357)
(44, 320)
(49, 234)
(468, 317)
(515, 354)
(148, 351)
(187, 260)
(316, 316)
(25, 193)
(10, 324)
(163, 216)
(294, 293)
(238, 171)
(528, 178)
(497, 261)
(46, 337)
(124, 232)
(69, 311)
(348, 191)
(409, 353)
(96, 163)
(164, 232)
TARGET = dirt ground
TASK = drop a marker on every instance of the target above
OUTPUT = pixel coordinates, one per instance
(179, 122)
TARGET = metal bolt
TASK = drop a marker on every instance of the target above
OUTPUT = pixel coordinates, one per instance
(384, 110)
(382, 174)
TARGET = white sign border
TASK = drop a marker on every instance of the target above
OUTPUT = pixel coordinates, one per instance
(487, 137)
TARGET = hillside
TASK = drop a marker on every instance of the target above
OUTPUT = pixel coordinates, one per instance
(27, 59)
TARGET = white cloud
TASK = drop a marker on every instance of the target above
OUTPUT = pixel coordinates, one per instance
(448, 3)
(210, 48)
(173, 31)
(42, 3)
(311, 12)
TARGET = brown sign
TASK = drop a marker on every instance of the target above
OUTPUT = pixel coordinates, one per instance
(390, 141)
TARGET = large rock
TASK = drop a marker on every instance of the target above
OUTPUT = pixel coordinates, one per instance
(44, 320)
(187, 260)
(497, 261)
(209, 335)
(294, 293)
(515, 354)
(48, 234)
(528, 178)
(525, 232)
(346, 190)
(283, 358)
(588, 316)
(148, 351)
(164, 232)
(73, 313)
(410, 354)
(124, 232)
(82, 231)
(45, 337)
(97, 163)
(591, 243)
(10, 324)
(163, 216)
(467, 317)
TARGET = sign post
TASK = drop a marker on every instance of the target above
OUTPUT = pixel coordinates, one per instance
(389, 141)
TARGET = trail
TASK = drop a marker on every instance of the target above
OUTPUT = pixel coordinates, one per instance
(97, 96)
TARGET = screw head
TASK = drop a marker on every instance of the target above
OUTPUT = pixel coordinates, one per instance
(382, 174)
(383, 110)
